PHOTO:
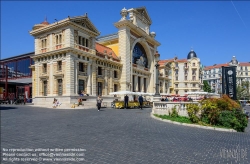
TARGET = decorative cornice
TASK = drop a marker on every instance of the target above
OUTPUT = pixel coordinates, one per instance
(138, 30)
(62, 23)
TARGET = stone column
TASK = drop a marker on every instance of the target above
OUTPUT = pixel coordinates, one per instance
(106, 82)
(124, 52)
(76, 76)
(37, 80)
(69, 80)
(136, 83)
(89, 91)
(111, 81)
(94, 78)
(51, 78)
(164, 86)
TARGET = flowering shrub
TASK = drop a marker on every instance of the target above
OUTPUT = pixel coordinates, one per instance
(222, 112)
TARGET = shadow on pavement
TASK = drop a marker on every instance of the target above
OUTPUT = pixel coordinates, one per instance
(7, 108)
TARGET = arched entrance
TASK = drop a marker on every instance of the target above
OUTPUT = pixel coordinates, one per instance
(140, 58)
(139, 55)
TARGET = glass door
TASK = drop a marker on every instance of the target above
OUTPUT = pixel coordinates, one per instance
(60, 87)
(99, 92)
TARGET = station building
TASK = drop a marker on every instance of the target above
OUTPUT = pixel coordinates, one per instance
(71, 57)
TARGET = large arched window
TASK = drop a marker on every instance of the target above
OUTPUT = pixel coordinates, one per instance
(139, 56)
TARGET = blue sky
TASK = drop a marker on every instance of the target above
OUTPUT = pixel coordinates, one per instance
(215, 30)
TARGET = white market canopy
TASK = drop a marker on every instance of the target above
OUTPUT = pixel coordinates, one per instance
(202, 93)
(131, 93)
(121, 93)
(197, 93)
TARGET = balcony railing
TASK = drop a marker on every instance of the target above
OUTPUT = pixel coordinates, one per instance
(82, 73)
(43, 50)
(100, 76)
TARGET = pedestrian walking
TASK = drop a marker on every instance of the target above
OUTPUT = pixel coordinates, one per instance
(141, 101)
(126, 101)
(98, 102)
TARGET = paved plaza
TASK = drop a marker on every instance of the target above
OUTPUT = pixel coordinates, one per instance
(118, 136)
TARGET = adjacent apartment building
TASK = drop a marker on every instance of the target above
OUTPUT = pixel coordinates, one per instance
(184, 75)
(213, 74)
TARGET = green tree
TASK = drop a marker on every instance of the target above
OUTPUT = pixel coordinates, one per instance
(243, 90)
(206, 87)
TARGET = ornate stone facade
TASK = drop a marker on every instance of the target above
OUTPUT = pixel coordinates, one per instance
(69, 58)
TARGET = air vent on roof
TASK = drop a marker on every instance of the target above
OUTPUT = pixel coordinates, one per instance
(110, 53)
(105, 51)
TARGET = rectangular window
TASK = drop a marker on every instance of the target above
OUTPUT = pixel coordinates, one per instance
(44, 68)
(115, 74)
(176, 78)
(145, 85)
(80, 40)
(44, 43)
(186, 78)
(81, 86)
(99, 70)
(59, 39)
(59, 65)
(185, 84)
(87, 43)
(83, 41)
(176, 85)
(194, 77)
(193, 85)
(193, 64)
(81, 67)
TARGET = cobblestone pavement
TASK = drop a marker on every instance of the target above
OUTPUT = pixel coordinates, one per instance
(118, 136)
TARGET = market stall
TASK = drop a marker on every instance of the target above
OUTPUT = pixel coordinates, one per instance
(131, 103)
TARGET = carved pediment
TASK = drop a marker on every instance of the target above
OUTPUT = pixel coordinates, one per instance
(84, 22)
(143, 12)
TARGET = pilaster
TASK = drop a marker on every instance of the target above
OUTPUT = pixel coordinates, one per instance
(76, 76)
(124, 52)
(69, 80)
(94, 78)
(106, 81)
(89, 90)
(111, 81)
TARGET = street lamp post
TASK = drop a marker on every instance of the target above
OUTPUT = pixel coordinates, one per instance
(157, 80)
(157, 96)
